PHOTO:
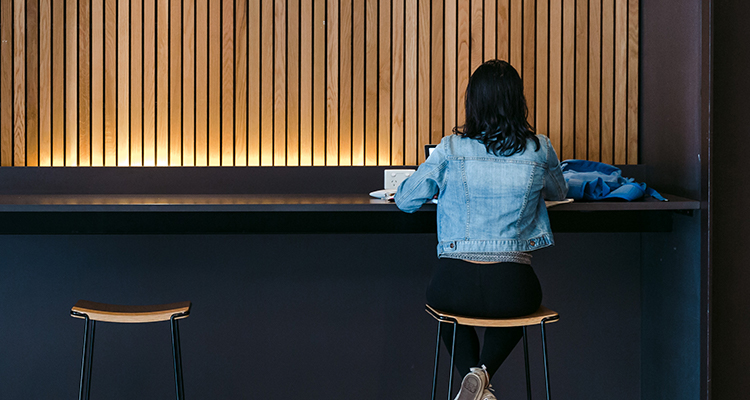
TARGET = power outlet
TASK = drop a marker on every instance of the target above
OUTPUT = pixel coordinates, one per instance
(394, 177)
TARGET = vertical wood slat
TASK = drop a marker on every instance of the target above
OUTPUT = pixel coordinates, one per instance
(6, 86)
(345, 82)
(279, 86)
(292, 87)
(149, 82)
(32, 83)
(123, 84)
(84, 83)
(97, 85)
(306, 84)
(621, 81)
(201, 83)
(175, 83)
(342, 83)
(162, 83)
(227, 83)
(595, 77)
(253, 84)
(58, 83)
(633, 51)
(240, 87)
(358, 82)
(384, 87)
(188, 82)
(371, 82)
(214, 82)
(411, 112)
(397, 83)
(19, 82)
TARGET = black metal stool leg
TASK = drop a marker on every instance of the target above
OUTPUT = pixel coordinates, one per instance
(177, 355)
(526, 360)
(84, 356)
(91, 359)
(437, 357)
(453, 353)
(546, 364)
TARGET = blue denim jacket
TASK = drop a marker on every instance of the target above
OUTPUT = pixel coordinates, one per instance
(487, 204)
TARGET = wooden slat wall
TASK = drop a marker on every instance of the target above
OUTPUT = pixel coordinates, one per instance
(302, 82)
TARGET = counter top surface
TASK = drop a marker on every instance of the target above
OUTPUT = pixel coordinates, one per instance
(275, 203)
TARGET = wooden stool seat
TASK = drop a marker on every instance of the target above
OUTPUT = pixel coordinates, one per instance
(92, 312)
(540, 317)
(129, 314)
(543, 313)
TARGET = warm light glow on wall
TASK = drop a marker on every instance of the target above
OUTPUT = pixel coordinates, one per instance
(302, 82)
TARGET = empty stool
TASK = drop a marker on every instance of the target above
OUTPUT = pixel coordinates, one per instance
(92, 312)
(540, 317)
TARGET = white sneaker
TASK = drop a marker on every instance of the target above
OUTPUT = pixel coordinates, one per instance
(475, 386)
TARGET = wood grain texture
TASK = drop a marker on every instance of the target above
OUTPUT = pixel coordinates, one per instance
(175, 83)
(227, 83)
(32, 83)
(582, 80)
(568, 80)
(292, 87)
(503, 30)
(463, 58)
(58, 84)
(410, 83)
(253, 83)
(422, 100)
(437, 69)
(97, 85)
(449, 67)
(6, 86)
(306, 84)
(621, 82)
(162, 83)
(633, 52)
(19, 82)
(84, 83)
(542, 95)
(371, 82)
(149, 82)
(214, 82)
(384, 87)
(302, 82)
(358, 82)
(240, 87)
(123, 84)
(595, 79)
(188, 82)
(319, 83)
(397, 84)
(279, 79)
(345, 82)
(607, 81)
(555, 75)
(332, 83)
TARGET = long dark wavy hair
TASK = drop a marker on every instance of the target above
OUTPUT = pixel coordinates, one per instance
(496, 111)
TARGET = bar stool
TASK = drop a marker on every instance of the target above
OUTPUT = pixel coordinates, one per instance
(542, 316)
(92, 312)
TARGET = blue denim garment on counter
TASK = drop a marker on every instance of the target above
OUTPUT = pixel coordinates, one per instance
(486, 203)
(591, 180)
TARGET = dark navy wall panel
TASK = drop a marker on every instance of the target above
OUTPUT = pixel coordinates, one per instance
(287, 316)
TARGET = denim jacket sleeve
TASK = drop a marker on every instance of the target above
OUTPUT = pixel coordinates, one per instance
(555, 187)
(424, 184)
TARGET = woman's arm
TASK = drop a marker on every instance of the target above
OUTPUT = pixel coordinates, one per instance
(555, 187)
(424, 184)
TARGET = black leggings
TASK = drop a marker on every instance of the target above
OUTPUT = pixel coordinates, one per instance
(483, 290)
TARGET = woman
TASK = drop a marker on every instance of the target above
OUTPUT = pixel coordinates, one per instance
(491, 178)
